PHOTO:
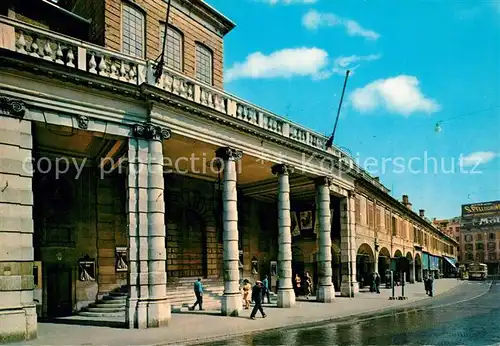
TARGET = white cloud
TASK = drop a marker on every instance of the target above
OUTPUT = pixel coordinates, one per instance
(400, 94)
(313, 19)
(289, 2)
(283, 63)
(477, 158)
(344, 63)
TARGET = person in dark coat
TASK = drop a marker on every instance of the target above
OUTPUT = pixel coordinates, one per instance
(430, 283)
(257, 296)
(377, 282)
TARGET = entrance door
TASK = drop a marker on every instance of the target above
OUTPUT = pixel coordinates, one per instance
(59, 302)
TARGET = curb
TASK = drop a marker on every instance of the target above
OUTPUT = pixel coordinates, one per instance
(350, 318)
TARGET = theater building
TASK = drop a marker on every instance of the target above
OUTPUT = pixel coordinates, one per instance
(118, 189)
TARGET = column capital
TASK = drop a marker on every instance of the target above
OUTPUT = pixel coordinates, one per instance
(323, 181)
(282, 169)
(14, 107)
(151, 131)
(227, 153)
(351, 193)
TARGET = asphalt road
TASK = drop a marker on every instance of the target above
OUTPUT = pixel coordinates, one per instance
(467, 315)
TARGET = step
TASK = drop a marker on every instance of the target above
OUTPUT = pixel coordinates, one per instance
(107, 305)
(106, 309)
(117, 294)
(102, 314)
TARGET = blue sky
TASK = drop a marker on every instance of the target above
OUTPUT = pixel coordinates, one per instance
(414, 63)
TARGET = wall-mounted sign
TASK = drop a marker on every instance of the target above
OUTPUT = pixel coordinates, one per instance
(121, 260)
(273, 268)
(86, 269)
(491, 208)
(255, 266)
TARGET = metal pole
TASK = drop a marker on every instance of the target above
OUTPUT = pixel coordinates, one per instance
(392, 285)
(403, 286)
(329, 143)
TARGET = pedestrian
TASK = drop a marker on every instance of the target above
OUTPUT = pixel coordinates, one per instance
(198, 291)
(265, 283)
(377, 282)
(297, 285)
(307, 285)
(426, 284)
(387, 278)
(257, 298)
(430, 286)
(246, 294)
(373, 283)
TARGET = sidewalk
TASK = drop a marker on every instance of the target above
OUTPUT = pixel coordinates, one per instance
(192, 326)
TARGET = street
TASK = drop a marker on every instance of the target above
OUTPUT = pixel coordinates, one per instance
(465, 316)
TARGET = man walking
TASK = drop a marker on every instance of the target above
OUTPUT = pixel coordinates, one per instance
(266, 290)
(257, 298)
(198, 291)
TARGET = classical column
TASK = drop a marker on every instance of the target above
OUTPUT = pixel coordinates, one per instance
(147, 305)
(326, 291)
(349, 286)
(412, 270)
(286, 295)
(231, 300)
(18, 320)
(377, 253)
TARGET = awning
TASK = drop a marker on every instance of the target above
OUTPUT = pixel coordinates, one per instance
(451, 261)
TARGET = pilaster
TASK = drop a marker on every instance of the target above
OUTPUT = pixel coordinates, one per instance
(286, 294)
(147, 305)
(326, 291)
(18, 319)
(231, 299)
(349, 286)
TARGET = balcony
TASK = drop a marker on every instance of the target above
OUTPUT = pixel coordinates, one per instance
(79, 55)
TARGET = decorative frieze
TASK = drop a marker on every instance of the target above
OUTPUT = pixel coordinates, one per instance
(227, 153)
(282, 169)
(9, 106)
(151, 131)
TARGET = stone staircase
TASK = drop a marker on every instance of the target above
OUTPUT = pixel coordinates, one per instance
(180, 295)
(112, 305)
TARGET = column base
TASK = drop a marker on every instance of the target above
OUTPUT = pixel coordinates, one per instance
(18, 324)
(231, 304)
(347, 291)
(286, 298)
(159, 313)
(326, 294)
(136, 313)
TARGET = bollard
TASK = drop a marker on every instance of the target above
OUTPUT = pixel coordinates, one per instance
(403, 289)
(392, 285)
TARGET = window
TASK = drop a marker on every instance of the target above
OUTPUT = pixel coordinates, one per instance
(479, 246)
(457, 239)
(394, 227)
(357, 210)
(479, 237)
(492, 246)
(388, 221)
(470, 256)
(174, 47)
(203, 64)
(132, 31)
(492, 256)
(468, 247)
(468, 238)
(369, 210)
(492, 236)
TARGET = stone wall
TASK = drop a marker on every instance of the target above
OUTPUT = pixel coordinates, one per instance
(17, 310)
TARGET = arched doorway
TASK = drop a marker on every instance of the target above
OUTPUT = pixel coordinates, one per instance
(365, 264)
(384, 262)
(409, 267)
(418, 268)
(336, 269)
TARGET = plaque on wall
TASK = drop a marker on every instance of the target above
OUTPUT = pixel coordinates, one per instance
(306, 220)
(121, 260)
(86, 269)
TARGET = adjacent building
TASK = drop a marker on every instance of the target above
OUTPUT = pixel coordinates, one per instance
(118, 180)
(480, 234)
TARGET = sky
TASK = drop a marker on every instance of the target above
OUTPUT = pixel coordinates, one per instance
(414, 64)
